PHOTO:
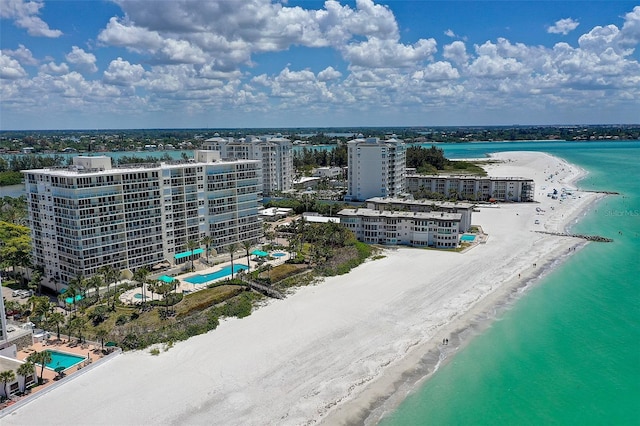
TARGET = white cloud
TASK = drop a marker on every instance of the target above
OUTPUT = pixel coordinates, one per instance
(82, 60)
(10, 69)
(200, 57)
(439, 71)
(378, 53)
(630, 33)
(53, 68)
(128, 35)
(22, 54)
(24, 15)
(122, 73)
(456, 52)
(328, 74)
(563, 26)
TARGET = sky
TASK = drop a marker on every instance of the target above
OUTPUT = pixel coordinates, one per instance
(93, 64)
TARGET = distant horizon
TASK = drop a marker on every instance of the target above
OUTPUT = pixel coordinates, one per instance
(506, 126)
(214, 64)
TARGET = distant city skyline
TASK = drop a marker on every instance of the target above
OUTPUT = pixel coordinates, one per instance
(130, 64)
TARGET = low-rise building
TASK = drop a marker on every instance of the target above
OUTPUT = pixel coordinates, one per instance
(418, 229)
(425, 206)
(476, 188)
(328, 172)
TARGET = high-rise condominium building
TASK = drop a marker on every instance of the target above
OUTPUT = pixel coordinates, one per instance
(92, 214)
(376, 168)
(274, 153)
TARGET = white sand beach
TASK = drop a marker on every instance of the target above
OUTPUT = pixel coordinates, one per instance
(330, 353)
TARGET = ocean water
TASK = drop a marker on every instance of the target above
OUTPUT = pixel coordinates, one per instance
(568, 351)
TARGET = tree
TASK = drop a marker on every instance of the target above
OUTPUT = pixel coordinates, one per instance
(99, 314)
(231, 248)
(42, 358)
(35, 282)
(101, 334)
(73, 292)
(78, 324)
(95, 282)
(56, 319)
(140, 275)
(109, 275)
(207, 241)
(25, 370)
(191, 246)
(7, 376)
(247, 247)
(40, 308)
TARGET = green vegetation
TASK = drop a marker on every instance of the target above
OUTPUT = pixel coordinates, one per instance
(432, 161)
(10, 178)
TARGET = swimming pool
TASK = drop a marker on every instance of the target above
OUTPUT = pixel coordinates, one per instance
(201, 279)
(278, 254)
(467, 237)
(63, 359)
(138, 295)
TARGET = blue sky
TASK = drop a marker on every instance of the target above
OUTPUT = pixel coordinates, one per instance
(95, 64)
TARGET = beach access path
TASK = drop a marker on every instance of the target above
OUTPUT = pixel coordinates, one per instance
(331, 352)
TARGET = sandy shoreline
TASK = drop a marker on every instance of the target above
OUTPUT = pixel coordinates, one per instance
(339, 352)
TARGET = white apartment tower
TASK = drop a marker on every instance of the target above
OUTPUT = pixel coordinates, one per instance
(376, 168)
(274, 153)
(91, 214)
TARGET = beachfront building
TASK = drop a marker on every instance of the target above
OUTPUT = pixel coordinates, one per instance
(424, 206)
(476, 188)
(92, 214)
(328, 172)
(274, 153)
(417, 229)
(376, 168)
(19, 382)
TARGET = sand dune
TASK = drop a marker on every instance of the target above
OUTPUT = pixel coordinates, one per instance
(332, 352)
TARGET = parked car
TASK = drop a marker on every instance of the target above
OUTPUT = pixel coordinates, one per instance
(26, 293)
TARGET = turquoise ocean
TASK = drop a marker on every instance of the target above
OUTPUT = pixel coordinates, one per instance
(568, 351)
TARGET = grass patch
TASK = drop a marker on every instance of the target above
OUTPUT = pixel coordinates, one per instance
(205, 298)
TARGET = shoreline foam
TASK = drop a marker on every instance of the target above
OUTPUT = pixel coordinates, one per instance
(334, 353)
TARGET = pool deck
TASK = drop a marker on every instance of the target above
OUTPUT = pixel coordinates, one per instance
(90, 351)
(128, 297)
(201, 269)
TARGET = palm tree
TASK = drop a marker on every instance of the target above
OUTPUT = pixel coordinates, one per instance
(40, 308)
(36, 279)
(7, 376)
(42, 358)
(191, 246)
(268, 267)
(247, 247)
(26, 370)
(140, 275)
(110, 275)
(101, 334)
(72, 292)
(207, 241)
(56, 319)
(80, 325)
(232, 249)
(96, 282)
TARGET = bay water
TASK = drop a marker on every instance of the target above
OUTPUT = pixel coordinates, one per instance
(568, 351)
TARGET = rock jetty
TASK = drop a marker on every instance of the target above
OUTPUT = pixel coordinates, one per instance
(596, 238)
